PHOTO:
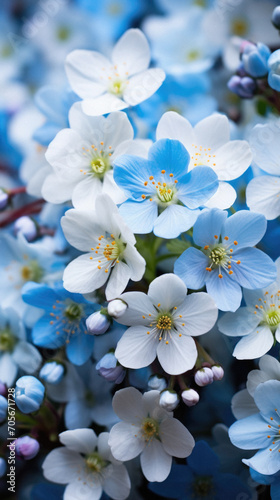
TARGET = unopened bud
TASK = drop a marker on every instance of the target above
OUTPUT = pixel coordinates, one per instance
(26, 447)
(29, 394)
(52, 372)
(276, 17)
(3, 467)
(26, 226)
(98, 322)
(204, 376)
(3, 408)
(3, 389)
(4, 197)
(169, 400)
(157, 383)
(116, 308)
(190, 397)
(108, 368)
(218, 372)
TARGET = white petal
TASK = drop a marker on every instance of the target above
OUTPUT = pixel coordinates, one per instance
(8, 369)
(232, 159)
(142, 86)
(117, 483)
(80, 229)
(82, 490)
(57, 190)
(84, 69)
(132, 52)
(254, 345)
(242, 322)
(266, 147)
(270, 366)
(139, 305)
(135, 261)
(213, 131)
(65, 154)
(79, 440)
(224, 197)
(167, 291)
(27, 357)
(112, 189)
(128, 405)
(118, 280)
(176, 439)
(106, 103)
(136, 348)
(62, 465)
(124, 441)
(178, 355)
(243, 405)
(262, 195)
(85, 192)
(155, 462)
(83, 276)
(199, 314)
(174, 126)
(255, 378)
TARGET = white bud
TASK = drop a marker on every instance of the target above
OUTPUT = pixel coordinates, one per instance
(218, 372)
(116, 308)
(204, 376)
(190, 397)
(4, 198)
(97, 323)
(169, 400)
(26, 226)
(157, 383)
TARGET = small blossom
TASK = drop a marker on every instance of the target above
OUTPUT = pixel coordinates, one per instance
(98, 322)
(169, 400)
(108, 368)
(52, 372)
(190, 397)
(26, 447)
(29, 394)
(204, 376)
(116, 308)
(26, 226)
(218, 372)
(157, 383)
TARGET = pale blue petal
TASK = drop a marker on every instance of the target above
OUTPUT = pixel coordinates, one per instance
(267, 398)
(265, 461)
(240, 323)
(171, 156)
(245, 227)
(44, 334)
(130, 173)
(201, 184)
(208, 224)
(226, 292)
(203, 461)
(80, 348)
(190, 267)
(140, 217)
(256, 269)
(174, 220)
(249, 433)
(39, 295)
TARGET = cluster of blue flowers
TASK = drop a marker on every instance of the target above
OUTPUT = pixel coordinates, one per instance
(140, 263)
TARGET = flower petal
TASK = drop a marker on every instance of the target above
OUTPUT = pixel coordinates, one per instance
(191, 268)
(155, 462)
(178, 354)
(176, 439)
(254, 345)
(79, 440)
(167, 291)
(136, 348)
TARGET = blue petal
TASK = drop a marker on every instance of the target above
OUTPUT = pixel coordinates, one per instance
(203, 460)
(80, 348)
(249, 433)
(247, 228)
(130, 173)
(44, 334)
(261, 478)
(265, 461)
(267, 398)
(174, 220)
(39, 295)
(226, 292)
(256, 269)
(231, 487)
(202, 183)
(208, 224)
(140, 217)
(275, 490)
(175, 485)
(171, 156)
(190, 267)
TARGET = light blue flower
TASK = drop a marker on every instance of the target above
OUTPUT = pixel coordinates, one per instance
(3, 408)
(163, 196)
(273, 480)
(52, 372)
(226, 261)
(254, 58)
(261, 431)
(29, 394)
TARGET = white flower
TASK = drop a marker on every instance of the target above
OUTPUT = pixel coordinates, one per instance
(149, 430)
(82, 157)
(109, 246)
(86, 465)
(162, 324)
(107, 86)
(262, 193)
(209, 144)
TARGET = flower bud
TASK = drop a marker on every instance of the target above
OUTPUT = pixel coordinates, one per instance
(190, 397)
(116, 308)
(107, 367)
(3, 408)
(242, 86)
(26, 226)
(52, 372)
(98, 322)
(157, 383)
(204, 376)
(29, 394)
(4, 197)
(3, 467)
(169, 400)
(3, 389)
(254, 59)
(276, 17)
(26, 447)
(218, 372)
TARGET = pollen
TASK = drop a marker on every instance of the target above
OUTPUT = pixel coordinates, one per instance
(226, 238)
(206, 247)
(220, 275)
(238, 262)
(163, 171)
(143, 196)
(235, 242)
(151, 177)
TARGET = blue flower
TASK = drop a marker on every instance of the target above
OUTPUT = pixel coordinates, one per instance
(29, 394)
(64, 320)
(273, 480)
(201, 479)
(261, 431)
(226, 261)
(274, 73)
(163, 195)
(254, 59)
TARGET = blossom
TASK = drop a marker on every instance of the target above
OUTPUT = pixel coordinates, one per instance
(258, 323)
(82, 155)
(261, 431)
(107, 86)
(162, 324)
(226, 260)
(209, 144)
(29, 394)
(163, 195)
(111, 254)
(148, 430)
(262, 192)
(86, 465)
